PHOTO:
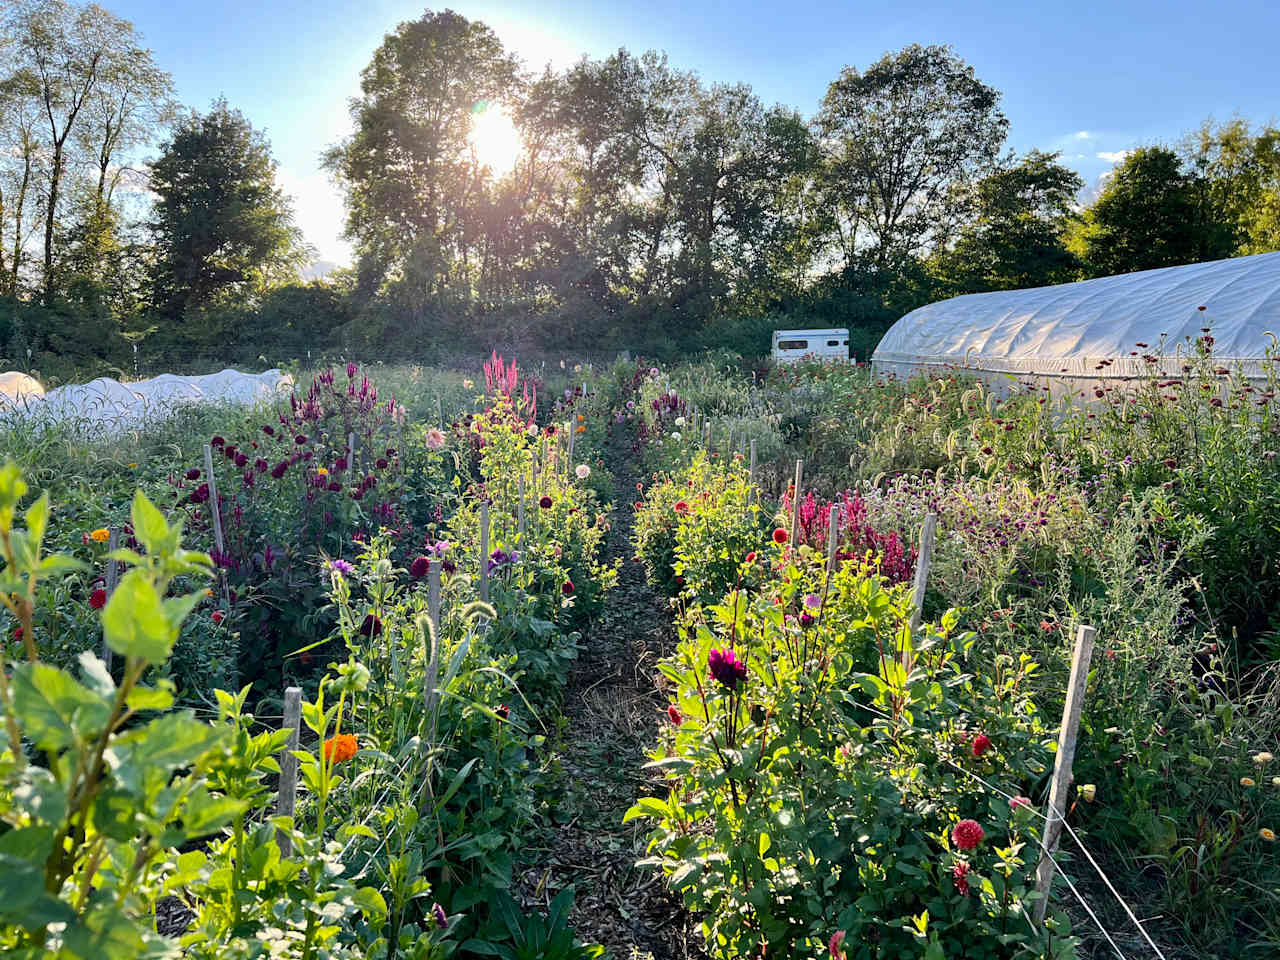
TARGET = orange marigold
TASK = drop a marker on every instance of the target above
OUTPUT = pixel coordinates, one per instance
(340, 748)
(101, 535)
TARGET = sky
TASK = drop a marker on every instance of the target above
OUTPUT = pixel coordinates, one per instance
(1089, 79)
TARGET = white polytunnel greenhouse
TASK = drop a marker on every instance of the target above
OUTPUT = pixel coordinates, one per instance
(1073, 335)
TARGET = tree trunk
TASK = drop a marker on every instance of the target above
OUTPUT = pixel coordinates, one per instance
(55, 180)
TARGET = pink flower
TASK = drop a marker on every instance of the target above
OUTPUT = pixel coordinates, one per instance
(967, 834)
(1017, 802)
(835, 945)
(981, 744)
(726, 668)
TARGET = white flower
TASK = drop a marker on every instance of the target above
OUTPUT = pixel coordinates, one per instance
(582, 471)
(672, 391)
(653, 371)
(531, 429)
(468, 384)
(679, 421)
(676, 435)
(435, 438)
(577, 368)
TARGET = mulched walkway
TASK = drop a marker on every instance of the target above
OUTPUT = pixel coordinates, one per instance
(614, 705)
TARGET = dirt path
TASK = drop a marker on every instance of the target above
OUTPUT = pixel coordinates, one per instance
(613, 707)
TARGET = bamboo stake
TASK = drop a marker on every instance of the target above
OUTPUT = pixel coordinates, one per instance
(433, 595)
(1062, 764)
(216, 513)
(573, 431)
(288, 798)
(484, 550)
(795, 505)
(351, 453)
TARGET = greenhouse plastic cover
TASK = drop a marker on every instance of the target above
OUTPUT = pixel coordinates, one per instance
(1064, 332)
(112, 405)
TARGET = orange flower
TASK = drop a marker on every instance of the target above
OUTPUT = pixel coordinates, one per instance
(101, 535)
(582, 430)
(340, 748)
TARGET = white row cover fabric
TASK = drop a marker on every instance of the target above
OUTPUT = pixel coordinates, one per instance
(114, 406)
(1065, 332)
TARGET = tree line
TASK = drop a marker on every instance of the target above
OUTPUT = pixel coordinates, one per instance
(645, 210)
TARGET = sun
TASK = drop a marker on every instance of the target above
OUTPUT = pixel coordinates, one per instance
(495, 139)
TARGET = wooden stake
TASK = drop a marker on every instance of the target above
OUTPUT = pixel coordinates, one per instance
(288, 798)
(751, 470)
(439, 412)
(795, 505)
(433, 595)
(484, 550)
(351, 453)
(520, 513)
(1062, 764)
(706, 436)
(833, 534)
(216, 513)
(113, 579)
(573, 432)
(924, 560)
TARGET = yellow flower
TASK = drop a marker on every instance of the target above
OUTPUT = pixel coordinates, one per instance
(1247, 782)
(208, 592)
(1263, 758)
(321, 471)
(133, 466)
(101, 535)
(1267, 834)
(1089, 791)
(1275, 781)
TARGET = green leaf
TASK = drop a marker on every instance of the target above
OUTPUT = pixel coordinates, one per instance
(145, 698)
(206, 813)
(54, 708)
(158, 748)
(149, 525)
(646, 807)
(765, 844)
(135, 621)
(458, 780)
(177, 609)
(371, 904)
(37, 520)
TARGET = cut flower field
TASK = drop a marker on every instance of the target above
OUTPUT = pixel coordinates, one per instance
(487, 586)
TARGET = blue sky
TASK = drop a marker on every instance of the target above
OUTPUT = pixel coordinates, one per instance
(1089, 79)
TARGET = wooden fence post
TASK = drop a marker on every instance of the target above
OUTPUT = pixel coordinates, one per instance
(112, 580)
(216, 512)
(484, 550)
(351, 453)
(751, 469)
(439, 412)
(833, 535)
(706, 436)
(520, 513)
(1062, 764)
(795, 505)
(573, 432)
(924, 560)
(288, 799)
(433, 596)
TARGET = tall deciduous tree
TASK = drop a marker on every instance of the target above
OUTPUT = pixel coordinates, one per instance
(221, 224)
(898, 140)
(415, 190)
(1242, 169)
(77, 56)
(1153, 213)
(1016, 235)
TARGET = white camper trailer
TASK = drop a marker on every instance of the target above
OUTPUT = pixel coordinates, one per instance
(792, 345)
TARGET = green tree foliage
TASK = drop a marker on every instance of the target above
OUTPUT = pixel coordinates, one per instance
(222, 226)
(1016, 235)
(898, 140)
(1153, 213)
(1243, 173)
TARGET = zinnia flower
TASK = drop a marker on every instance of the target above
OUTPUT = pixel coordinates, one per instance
(98, 599)
(322, 471)
(751, 557)
(967, 834)
(726, 668)
(674, 716)
(582, 471)
(779, 535)
(1267, 834)
(1247, 782)
(217, 616)
(193, 473)
(1263, 758)
(418, 569)
(960, 875)
(981, 744)
(1017, 802)
(503, 711)
(341, 748)
(279, 469)
(681, 507)
(101, 535)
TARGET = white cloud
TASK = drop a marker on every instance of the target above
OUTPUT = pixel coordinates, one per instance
(1084, 135)
(1113, 156)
